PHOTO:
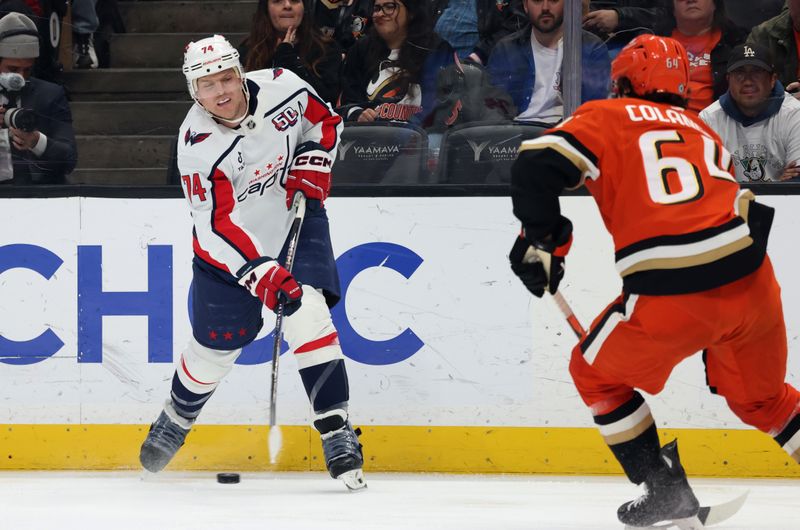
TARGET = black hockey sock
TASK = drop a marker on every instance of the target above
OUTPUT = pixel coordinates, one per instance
(789, 438)
(187, 403)
(639, 456)
(326, 384)
(637, 452)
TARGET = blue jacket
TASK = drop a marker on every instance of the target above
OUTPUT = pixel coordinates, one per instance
(512, 68)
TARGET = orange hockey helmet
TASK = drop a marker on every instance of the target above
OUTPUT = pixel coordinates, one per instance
(652, 65)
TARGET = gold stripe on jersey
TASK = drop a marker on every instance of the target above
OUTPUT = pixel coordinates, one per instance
(697, 253)
(664, 257)
(563, 147)
(742, 203)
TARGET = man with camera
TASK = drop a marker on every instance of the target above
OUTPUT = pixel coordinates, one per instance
(37, 142)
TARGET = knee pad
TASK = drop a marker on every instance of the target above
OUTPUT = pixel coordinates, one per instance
(310, 332)
(201, 369)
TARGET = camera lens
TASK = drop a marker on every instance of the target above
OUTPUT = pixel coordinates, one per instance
(22, 119)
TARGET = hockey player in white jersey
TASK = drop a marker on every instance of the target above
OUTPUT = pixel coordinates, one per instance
(245, 148)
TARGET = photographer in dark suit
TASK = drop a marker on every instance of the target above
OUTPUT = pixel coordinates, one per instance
(35, 116)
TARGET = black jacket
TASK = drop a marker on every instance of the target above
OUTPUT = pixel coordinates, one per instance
(777, 35)
(54, 120)
(326, 79)
(636, 13)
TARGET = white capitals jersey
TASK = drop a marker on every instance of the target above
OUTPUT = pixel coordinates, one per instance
(233, 179)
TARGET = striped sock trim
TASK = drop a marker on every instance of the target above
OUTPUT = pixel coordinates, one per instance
(626, 422)
(789, 438)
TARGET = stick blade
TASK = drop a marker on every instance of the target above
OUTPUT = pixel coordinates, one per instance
(275, 440)
(710, 515)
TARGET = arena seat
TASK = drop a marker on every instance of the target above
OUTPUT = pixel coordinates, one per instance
(381, 153)
(482, 152)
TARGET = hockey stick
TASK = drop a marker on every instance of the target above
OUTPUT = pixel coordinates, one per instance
(275, 438)
(532, 256)
(566, 310)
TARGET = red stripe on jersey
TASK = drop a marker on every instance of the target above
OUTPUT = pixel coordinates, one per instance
(327, 340)
(318, 112)
(183, 366)
(224, 201)
(201, 253)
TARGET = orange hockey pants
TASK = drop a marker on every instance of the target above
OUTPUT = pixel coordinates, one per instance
(638, 340)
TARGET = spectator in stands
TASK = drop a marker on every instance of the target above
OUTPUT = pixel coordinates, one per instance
(391, 74)
(759, 123)
(84, 25)
(472, 27)
(704, 29)
(44, 152)
(618, 22)
(283, 37)
(527, 64)
(781, 34)
(347, 21)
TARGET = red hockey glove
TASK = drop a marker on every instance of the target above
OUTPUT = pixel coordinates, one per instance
(271, 283)
(540, 264)
(309, 173)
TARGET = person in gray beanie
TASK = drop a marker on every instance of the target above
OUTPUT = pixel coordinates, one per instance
(35, 118)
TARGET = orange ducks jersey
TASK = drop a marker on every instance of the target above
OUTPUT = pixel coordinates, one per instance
(662, 181)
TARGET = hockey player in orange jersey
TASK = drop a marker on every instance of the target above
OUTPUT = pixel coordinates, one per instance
(690, 246)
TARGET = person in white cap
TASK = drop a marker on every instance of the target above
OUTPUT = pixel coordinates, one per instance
(42, 141)
(246, 148)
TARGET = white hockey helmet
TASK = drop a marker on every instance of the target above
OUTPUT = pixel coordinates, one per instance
(209, 56)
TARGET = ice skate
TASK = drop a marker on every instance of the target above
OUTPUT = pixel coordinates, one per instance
(343, 456)
(667, 497)
(167, 435)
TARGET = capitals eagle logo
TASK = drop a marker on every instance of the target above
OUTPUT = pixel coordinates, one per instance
(192, 137)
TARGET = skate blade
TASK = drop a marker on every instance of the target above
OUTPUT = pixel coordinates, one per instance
(148, 476)
(689, 523)
(354, 480)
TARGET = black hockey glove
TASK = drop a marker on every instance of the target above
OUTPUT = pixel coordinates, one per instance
(540, 264)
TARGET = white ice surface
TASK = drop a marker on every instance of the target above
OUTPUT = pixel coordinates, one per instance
(195, 501)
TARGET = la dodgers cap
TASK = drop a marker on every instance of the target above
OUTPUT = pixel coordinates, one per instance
(751, 54)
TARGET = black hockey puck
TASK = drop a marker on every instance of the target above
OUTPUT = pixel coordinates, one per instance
(228, 478)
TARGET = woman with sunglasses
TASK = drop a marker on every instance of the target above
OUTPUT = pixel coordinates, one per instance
(390, 75)
(282, 37)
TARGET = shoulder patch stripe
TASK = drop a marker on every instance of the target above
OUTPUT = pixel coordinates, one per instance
(563, 147)
(574, 142)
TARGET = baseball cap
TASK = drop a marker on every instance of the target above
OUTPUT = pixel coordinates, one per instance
(19, 38)
(752, 54)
